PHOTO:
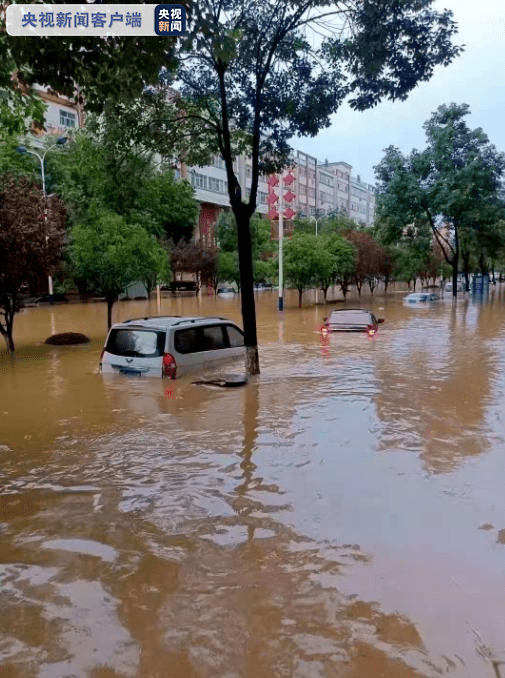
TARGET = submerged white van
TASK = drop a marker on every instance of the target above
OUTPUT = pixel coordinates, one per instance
(170, 346)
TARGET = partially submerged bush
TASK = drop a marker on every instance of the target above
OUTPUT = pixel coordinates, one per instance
(67, 339)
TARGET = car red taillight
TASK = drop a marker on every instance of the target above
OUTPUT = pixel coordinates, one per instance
(169, 366)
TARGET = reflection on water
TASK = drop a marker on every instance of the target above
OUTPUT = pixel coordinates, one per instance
(341, 515)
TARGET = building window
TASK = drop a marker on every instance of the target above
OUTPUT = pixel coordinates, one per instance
(198, 180)
(67, 119)
(216, 185)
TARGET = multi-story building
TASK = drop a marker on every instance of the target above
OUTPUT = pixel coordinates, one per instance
(62, 114)
(320, 188)
(211, 191)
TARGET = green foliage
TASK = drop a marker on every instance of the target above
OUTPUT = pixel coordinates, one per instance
(338, 223)
(261, 237)
(312, 260)
(304, 225)
(110, 254)
(115, 69)
(169, 205)
(102, 169)
(228, 268)
(451, 188)
(227, 238)
(19, 105)
(302, 258)
(31, 240)
(261, 245)
(226, 232)
(19, 110)
(262, 59)
(21, 165)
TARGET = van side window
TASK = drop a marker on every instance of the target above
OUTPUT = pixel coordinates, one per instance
(186, 341)
(235, 336)
(213, 338)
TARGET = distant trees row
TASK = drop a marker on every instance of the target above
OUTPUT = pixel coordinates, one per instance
(341, 254)
(445, 202)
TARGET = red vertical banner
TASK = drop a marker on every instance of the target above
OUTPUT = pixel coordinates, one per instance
(281, 203)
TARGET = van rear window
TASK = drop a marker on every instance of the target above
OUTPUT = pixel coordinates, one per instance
(136, 343)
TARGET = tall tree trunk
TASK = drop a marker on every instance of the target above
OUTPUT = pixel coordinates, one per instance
(482, 263)
(8, 330)
(9, 342)
(247, 290)
(455, 262)
(300, 293)
(465, 258)
(110, 304)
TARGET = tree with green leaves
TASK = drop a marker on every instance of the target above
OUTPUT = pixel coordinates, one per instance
(20, 106)
(168, 206)
(109, 254)
(303, 262)
(251, 75)
(336, 223)
(227, 269)
(262, 247)
(32, 230)
(101, 168)
(342, 261)
(452, 187)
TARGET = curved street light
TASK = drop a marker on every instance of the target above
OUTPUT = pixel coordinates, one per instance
(22, 150)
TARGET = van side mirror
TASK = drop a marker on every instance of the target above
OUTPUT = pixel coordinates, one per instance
(380, 320)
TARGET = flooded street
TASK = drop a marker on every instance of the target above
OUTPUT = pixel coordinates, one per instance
(342, 515)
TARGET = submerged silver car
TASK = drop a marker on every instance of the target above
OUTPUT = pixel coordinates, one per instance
(171, 346)
(352, 320)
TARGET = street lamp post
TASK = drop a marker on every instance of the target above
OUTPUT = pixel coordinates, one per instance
(22, 149)
(317, 290)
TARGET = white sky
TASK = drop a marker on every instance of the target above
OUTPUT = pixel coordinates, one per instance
(477, 78)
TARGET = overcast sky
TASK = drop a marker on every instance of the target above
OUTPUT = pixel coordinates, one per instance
(477, 78)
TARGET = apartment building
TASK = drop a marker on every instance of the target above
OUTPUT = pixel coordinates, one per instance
(62, 114)
(320, 188)
(211, 191)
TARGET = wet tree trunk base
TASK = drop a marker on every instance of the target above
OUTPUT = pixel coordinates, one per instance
(252, 363)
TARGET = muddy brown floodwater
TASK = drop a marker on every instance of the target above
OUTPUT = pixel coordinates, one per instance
(341, 515)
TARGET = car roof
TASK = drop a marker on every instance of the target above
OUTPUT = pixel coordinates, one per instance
(346, 316)
(351, 311)
(163, 322)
